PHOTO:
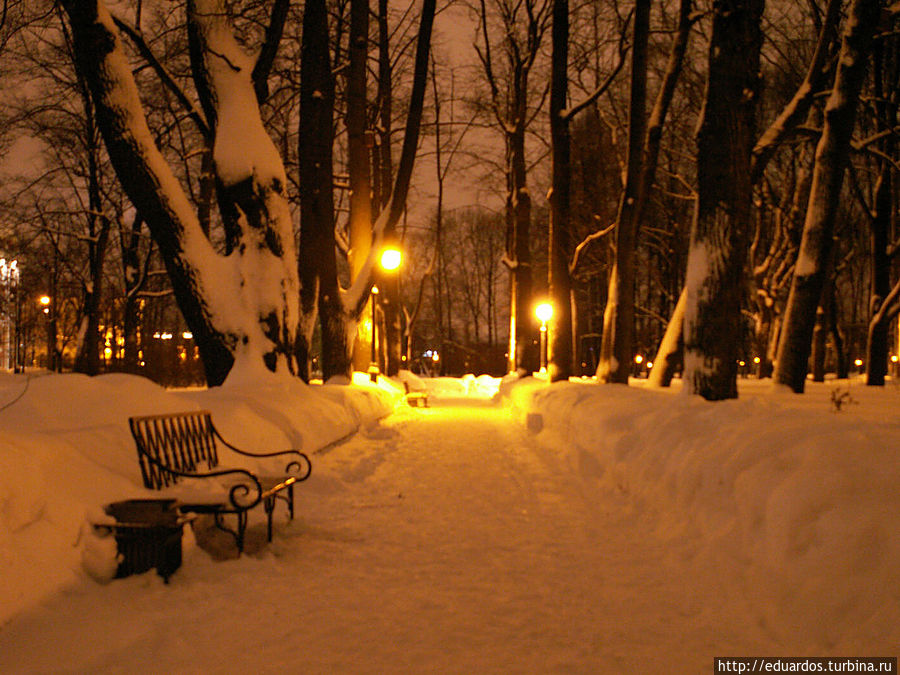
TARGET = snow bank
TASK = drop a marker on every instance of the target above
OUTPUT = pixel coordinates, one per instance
(65, 451)
(467, 386)
(805, 500)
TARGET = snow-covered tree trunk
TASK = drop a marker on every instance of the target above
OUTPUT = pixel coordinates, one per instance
(669, 355)
(243, 308)
(818, 229)
(720, 232)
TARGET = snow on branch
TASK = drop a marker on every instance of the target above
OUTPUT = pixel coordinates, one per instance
(585, 243)
(798, 107)
(242, 147)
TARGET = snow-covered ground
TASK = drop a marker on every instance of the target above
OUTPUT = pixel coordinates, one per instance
(572, 528)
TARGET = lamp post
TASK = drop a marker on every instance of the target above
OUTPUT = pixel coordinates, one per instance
(389, 261)
(544, 312)
(373, 363)
(44, 301)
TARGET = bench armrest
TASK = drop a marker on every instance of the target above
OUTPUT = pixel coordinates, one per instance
(244, 493)
(298, 464)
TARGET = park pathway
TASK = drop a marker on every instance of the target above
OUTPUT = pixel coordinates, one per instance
(444, 540)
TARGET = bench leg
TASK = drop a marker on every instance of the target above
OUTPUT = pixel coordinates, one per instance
(269, 506)
(291, 501)
(238, 533)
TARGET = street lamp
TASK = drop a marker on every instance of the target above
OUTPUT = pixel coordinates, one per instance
(389, 261)
(373, 363)
(44, 302)
(544, 312)
(391, 258)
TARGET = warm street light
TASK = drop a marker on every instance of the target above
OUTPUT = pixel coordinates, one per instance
(544, 312)
(391, 258)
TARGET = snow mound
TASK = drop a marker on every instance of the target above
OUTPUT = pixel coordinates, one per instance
(467, 386)
(806, 499)
(65, 450)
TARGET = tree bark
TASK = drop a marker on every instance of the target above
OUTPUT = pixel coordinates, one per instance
(358, 165)
(560, 326)
(831, 158)
(616, 348)
(668, 359)
(319, 292)
(720, 232)
(877, 347)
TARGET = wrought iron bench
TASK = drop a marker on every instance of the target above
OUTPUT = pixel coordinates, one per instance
(185, 446)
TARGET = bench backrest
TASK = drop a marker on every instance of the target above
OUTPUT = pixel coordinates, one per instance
(184, 442)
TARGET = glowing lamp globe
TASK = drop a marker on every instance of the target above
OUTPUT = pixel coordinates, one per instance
(391, 258)
(544, 311)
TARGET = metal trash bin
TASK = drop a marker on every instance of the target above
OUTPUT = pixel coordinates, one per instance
(148, 534)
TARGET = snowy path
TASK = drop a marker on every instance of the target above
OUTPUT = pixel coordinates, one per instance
(446, 540)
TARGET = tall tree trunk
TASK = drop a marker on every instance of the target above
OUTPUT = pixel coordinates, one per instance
(560, 326)
(358, 164)
(877, 348)
(390, 299)
(819, 343)
(524, 352)
(668, 359)
(616, 349)
(720, 232)
(87, 356)
(828, 175)
(319, 290)
(617, 340)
